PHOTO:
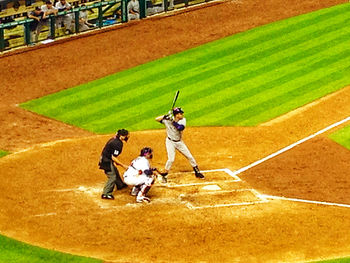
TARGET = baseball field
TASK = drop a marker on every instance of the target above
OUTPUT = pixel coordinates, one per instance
(265, 89)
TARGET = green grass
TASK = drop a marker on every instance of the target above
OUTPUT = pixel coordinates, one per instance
(3, 153)
(342, 137)
(241, 80)
(12, 251)
(340, 260)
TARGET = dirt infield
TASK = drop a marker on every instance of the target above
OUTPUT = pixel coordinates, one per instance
(51, 185)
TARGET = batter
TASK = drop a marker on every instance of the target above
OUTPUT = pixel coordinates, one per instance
(175, 126)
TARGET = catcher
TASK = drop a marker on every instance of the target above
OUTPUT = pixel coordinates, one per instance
(140, 175)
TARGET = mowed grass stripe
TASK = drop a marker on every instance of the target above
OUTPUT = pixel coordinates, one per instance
(256, 94)
(274, 61)
(112, 83)
(233, 106)
(319, 90)
(246, 116)
(103, 96)
(75, 114)
(259, 78)
(251, 84)
(198, 56)
(265, 71)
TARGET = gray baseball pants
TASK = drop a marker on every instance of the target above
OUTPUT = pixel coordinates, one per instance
(113, 180)
(171, 148)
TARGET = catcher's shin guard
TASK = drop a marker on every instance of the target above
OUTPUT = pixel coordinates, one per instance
(135, 190)
(144, 190)
(141, 196)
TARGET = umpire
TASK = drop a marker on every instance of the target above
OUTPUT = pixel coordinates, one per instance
(109, 161)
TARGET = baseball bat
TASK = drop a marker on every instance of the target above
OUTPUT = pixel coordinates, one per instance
(175, 99)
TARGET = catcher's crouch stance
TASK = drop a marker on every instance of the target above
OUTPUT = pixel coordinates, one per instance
(140, 175)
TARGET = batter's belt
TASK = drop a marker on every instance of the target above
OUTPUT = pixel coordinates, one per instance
(173, 140)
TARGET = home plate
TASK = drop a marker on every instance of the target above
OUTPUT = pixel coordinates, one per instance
(211, 187)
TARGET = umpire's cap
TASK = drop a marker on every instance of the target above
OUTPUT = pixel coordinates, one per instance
(122, 132)
(177, 110)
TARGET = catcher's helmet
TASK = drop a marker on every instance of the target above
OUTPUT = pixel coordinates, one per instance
(145, 151)
(177, 110)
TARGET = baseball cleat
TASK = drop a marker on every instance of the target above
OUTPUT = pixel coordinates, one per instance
(200, 175)
(109, 197)
(164, 179)
(135, 190)
(141, 199)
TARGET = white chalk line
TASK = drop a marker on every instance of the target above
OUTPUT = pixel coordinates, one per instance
(192, 207)
(290, 146)
(226, 170)
(169, 185)
(220, 192)
(104, 205)
(46, 214)
(237, 179)
(304, 201)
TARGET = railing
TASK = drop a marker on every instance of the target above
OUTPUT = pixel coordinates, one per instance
(23, 37)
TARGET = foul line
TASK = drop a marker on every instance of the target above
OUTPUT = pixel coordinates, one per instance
(289, 147)
(303, 200)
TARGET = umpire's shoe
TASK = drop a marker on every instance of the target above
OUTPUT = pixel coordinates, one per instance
(197, 173)
(109, 197)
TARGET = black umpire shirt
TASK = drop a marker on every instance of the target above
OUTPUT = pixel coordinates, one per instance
(113, 147)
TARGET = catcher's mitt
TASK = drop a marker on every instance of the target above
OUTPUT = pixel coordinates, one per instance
(162, 173)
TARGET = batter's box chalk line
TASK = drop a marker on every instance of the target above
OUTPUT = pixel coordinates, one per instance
(261, 199)
(226, 170)
(217, 191)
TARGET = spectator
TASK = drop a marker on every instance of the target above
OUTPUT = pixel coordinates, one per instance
(153, 8)
(133, 10)
(83, 19)
(171, 4)
(16, 6)
(66, 20)
(35, 26)
(48, 10)
(11, 18)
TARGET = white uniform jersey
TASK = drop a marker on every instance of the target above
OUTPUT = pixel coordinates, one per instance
(59, 5)
(141, 163)
(45, 9)
(134, 5)
(135, 174)
(173, 133)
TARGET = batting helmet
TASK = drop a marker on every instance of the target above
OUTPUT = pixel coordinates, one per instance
(177, 110)
(145, 151)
